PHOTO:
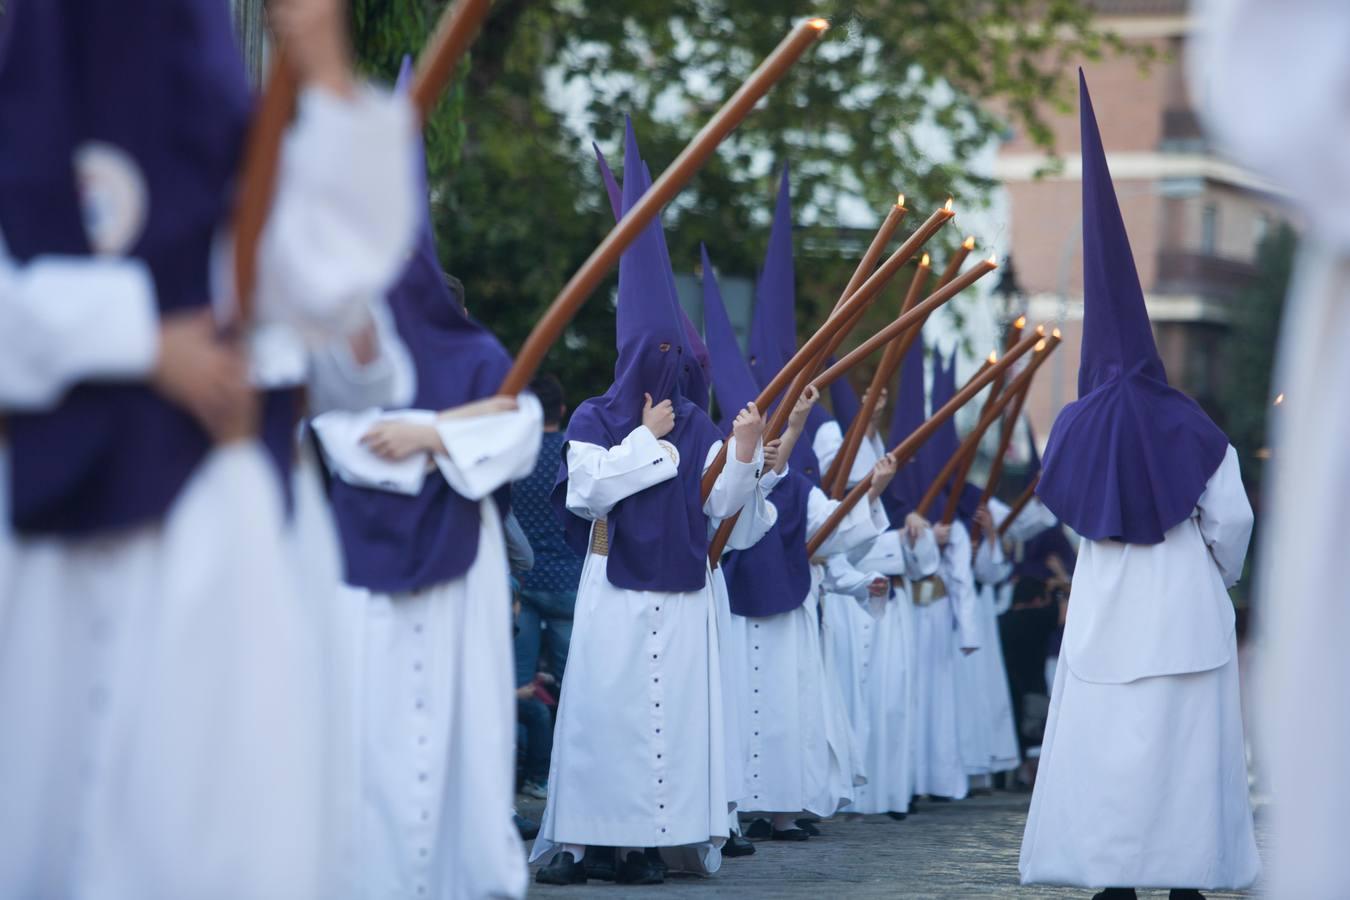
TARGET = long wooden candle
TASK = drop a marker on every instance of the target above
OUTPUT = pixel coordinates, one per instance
(836, 479)
(438, 61)
(1008, 427)
(908, 320)
(606, 256)
(1022, 500)
(258, 177)
(903, 451)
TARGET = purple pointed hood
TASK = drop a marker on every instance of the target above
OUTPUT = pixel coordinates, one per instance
(123, 126)
(392, 542)
(844, 400)
(906, 489)
(945, 443)
(773, 576)
(1130, 457)
(657, 537)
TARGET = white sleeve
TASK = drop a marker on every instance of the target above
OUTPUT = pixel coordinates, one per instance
(755, 520)
(885, 555)
(338, 381)
(1226, 518)
(960, 582)
(69, 319)
(598, 478)
(923, 557)
(340, 432)
(841, 577)
(735, 486)
(863, 523)
(1273, 79)
(991, 565)
(1034, 518)
(483, 453)
(344, 214)
(826, 443)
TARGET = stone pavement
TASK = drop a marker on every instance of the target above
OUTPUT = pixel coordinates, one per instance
(949, 850)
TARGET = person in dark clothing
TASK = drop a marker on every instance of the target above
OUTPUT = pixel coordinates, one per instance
(1024, 632)
(548, 592)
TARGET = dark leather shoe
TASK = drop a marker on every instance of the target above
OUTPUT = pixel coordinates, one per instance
(791, 834)
(636, 868)
(1185, 894)
(654, 857)
(1117, 894)
(737, 846)
(562, 869)
(898, 816)
(599, 863)
(759, 830)
(809, 826)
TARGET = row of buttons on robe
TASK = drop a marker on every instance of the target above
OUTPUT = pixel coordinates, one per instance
(754, 701)
(658, 717)
(421, 752)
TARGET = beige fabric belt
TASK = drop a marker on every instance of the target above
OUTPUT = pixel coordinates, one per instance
(929, 590)
(600, 537)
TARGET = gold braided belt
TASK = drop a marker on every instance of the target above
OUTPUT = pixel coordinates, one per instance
(929, 590)
(600, 537)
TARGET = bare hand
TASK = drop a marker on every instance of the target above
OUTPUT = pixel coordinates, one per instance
(525, 691)
(396, 440)
(943, 534)
(314, 33)
(985, 519)
(802, 408)
(915, 525)
(882, 473)
(879, 587)
(659, 419)
(205, 375)
(498, 403)
(747, 429)
(878, 411)
(771, 454)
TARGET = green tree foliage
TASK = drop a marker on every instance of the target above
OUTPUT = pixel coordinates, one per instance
(519, 206)
(1250, 358)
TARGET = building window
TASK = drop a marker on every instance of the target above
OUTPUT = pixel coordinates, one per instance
(1209, 229)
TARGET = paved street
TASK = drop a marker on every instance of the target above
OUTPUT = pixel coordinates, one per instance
(966, 849)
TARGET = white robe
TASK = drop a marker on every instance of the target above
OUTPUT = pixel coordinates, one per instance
(434, 682)
(172, 675)
(638, 755)
(886, 672)
(988, 735)
(941, 628)
(801, 756)
(1143, 772)
(1273, 79)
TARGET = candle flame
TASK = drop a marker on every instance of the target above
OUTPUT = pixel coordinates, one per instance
(969, 242)
(1279, 398)
(948, 205)
(993, 357)
(818, 24)
(923, 263)
(1040, 345)
(900, 200)
(1040, 330)
(993, 260)
(1020, 323)
(1056, 334)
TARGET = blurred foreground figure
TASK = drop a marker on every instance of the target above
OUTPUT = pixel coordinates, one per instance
(163, 675)
(1143, 776)
(1275, 79)
(429, 601)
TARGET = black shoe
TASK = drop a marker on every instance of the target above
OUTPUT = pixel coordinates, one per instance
(1185, 894)
(1117, 894)
(898, 816)
(528, 828)
(809, 826)
(562, 869)
(759, 830)
(599, 863)
(654, 857)
(914, 803)
(636, 868)
(934, 798)
(791, 834)
(737, 846)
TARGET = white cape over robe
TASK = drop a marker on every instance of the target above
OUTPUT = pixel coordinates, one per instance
(1143, 772)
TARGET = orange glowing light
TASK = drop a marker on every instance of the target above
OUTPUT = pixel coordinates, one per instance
(819, 24)
(993, 260)
(1056, 334)
(969, 242)
(900, 200)
(1040, 329)
(1020, 323)
(923, 263)
(948, 205)
(993, 357)
(1040, 345)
